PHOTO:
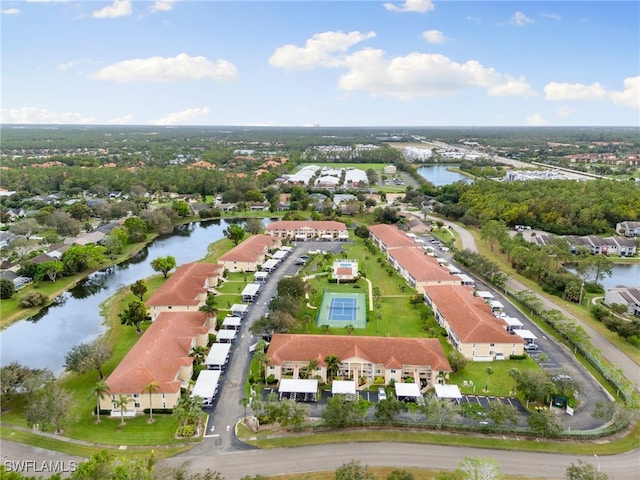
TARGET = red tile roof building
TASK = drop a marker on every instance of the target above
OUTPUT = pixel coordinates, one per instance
(186, 289)
(388, 237)
(420, 359)
(308, 229)
(472, 328)
(419, 269)
(249, 254)
(161, 355)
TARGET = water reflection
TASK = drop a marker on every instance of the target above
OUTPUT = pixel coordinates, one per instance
(74, 317)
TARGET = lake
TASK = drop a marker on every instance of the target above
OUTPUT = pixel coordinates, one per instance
(43, 340)
(440, 175)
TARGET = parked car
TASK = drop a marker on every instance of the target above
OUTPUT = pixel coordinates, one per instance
(531, 347)
(382, 394)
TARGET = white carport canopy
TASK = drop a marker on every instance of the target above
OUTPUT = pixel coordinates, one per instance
(448, 391)
(227, 335)
(270, 264)
(232, 322)
(286, 248)
(411, 390)
(453, 270)
(466, 279)
(279, 255)
(525, 334)
(261, 276)
(496, 304)
(290, 385)
(206, 385)
(251, 289)
(343, 387)
(513, 323)
(239, 309)
(484, 294)
(218, 355)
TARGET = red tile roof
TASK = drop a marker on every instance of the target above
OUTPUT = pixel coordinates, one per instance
(391, 237)
(420, 266)
(184, 285)
(296, 224)
(159, 353)
(469, 316)
(392, 352)
(251, 250)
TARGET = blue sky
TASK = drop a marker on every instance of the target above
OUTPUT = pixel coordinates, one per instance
(335, 63)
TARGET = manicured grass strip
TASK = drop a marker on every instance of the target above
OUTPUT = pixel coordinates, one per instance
(72, 448)
(619, 445)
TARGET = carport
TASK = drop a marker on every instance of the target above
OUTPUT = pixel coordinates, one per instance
(279, 255)
(270, 265)
(250, 292)
(449, 392)
(227, 336)
(299, 390)
(239, 309)
(218, 356)
(206, 386)
(513, 324)
(261, 277)
(407, 392)
(344, 387)
(526, 335)
(231, 323)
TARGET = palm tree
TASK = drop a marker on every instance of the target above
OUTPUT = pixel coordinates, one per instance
(122, 402)
(151, 389)
(349, 328)
(325, 328)
(199, 354)
(333, 366)
(489, 372)
(514, 373)
(245, 402)
(311, 367)
(209, 306)
(261, 357)
(99, 390)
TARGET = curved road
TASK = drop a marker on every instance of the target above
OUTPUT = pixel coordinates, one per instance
(616, 357)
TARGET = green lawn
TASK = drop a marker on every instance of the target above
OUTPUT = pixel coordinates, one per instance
(500, 383)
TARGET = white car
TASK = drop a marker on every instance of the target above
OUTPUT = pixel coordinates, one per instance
(382, 394)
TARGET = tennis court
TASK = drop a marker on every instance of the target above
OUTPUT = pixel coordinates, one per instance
(342, 309)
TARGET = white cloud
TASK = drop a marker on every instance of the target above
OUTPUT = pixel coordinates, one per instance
(162, 6)
(124, 120)
(41, 115)
(535, 120)
(180, 118)
(68, 65)
(10, 11)
(520, 19)
(417, 6)
(423, 75)
(119, 8)
(433, 36)
(565, 111)
(630, 96)
(512, 87)
(182, 67)
(552, 16)
(319, 50)
(574, 91)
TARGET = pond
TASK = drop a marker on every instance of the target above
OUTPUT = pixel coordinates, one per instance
(440, 175)
(43, 340)
(622, 274)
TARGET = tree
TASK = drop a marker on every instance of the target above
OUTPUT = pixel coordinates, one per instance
(139, 288)
(151, 388)
(254, 226)
(245, 402)
(353, 471)
(514, 373)
(136, 229)
(199, 354)
(50, 269)
(27, 227)
(78, 258)
(479, 469)
(7, 289)
(235, 233)
(489, 372)
(163, 264)
(501, 413)
(457, 361)
(209, 306)
(585, 471)
(122, 403)
(134, 315)
(99, 390)
(400, 474)
(439, 411)
(181, 208)
(544, 423)
(341, 412)
(387, 410)
(87, 356)
(51, 406)
(332, 363)
(291, 287)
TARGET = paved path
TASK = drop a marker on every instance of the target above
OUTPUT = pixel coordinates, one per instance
(630, 369)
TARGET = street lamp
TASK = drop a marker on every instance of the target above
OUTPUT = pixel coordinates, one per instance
(598, 460)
